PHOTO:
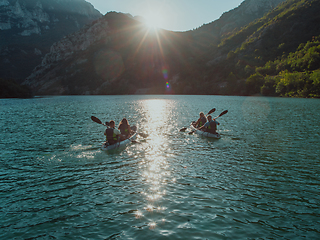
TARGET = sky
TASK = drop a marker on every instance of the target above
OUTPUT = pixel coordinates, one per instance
(175, 15)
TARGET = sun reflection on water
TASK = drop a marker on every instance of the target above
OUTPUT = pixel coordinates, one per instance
(138, 214)
(155, 168)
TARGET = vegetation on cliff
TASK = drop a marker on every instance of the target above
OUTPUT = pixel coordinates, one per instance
(294, 75)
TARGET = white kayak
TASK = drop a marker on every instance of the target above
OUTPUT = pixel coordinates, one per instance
(205, 134)
(119, 145)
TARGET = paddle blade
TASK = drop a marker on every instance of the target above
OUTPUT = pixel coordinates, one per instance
(95, 119)
(183, 129)
(223, 113)
(211, 111)
(143, 135)
(191, 132)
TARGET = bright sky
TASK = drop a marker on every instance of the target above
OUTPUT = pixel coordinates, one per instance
(176, 15)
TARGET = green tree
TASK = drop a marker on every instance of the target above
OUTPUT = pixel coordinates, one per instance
(268, 88)
(254, 83)
(231, 84)
(315, 79)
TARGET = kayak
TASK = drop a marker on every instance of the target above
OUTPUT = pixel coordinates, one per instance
(204, 134)
(120, 145)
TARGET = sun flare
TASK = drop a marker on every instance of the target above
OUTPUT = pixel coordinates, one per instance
(153, 20)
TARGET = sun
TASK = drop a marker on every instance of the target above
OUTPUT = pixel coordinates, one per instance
(153, 20)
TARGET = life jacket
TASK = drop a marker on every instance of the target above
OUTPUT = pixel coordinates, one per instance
(212, 128)
(111, 136)
(202, 121)
(124, 129)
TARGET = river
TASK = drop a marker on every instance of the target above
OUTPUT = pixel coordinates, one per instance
(261, 180)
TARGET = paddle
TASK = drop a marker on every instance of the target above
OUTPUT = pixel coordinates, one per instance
(97, 120)
(221, 114)
(144, 135)
(183, 129)
(211, 111)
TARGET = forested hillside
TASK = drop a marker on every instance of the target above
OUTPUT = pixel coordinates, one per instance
(295, 75)
(238, 66)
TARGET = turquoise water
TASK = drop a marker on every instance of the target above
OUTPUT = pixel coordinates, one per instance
(261, 180)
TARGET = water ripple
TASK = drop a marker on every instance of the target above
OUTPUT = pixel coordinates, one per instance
(259, 181)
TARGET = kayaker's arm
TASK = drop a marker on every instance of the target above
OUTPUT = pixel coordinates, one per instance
(119, 135)
(197, 122)
(201, 127)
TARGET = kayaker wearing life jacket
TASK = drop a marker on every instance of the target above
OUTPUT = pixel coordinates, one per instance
(201, 121)
(124, 128)
(210, 126)
(112, 134)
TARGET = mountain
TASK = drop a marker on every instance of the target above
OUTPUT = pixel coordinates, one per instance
(117, 54)
(276, 54)
(29, 27)
(113, 55)
(243, 54)
(233, 20)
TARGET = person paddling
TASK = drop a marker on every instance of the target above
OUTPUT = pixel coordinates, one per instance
(124, 128)
(201, 121)
(112, 134)
(210, 126)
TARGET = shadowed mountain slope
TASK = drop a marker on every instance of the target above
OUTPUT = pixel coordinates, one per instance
(29, 27)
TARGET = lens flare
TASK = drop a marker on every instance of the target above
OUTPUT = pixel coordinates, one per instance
(167, 85)
(165, 73)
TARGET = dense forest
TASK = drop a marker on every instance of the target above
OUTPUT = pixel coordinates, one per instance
(294, 75)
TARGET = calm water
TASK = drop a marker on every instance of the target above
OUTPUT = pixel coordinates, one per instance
(261, 180)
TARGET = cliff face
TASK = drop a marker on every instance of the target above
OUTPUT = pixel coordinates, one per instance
(73, 51)
(29, 27)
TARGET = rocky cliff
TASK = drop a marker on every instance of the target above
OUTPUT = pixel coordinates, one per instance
(72, 52)
(29, 27)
